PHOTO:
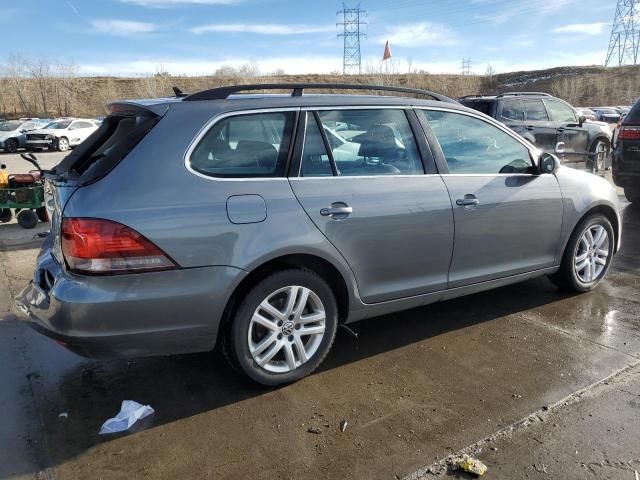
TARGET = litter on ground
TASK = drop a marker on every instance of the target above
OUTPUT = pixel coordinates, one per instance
(130, 413)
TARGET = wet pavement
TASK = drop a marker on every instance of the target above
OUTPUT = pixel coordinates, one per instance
(413, 388)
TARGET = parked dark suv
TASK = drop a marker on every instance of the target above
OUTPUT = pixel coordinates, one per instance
(626, 155)
(548, 122)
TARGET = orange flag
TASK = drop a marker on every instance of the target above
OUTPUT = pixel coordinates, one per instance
(387, 52)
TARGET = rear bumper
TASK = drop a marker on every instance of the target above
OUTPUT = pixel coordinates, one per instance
(146, 314)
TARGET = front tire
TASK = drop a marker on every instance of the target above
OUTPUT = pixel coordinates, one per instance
(599, 150)
(27, 219)
(62, 144)
(587, 256)
(11, 145)
(284, 328)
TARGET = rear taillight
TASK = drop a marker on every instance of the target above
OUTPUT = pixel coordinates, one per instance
(92, 245)
(629, 133)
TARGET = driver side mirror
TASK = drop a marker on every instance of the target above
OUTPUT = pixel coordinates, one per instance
(548, 163)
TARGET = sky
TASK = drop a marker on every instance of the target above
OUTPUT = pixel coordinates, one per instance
(195, 37)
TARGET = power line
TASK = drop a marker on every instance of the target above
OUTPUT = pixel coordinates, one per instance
(625, 34)
(351, 22)
(466, 66)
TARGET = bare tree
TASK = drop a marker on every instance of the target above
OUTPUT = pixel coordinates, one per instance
(40, 71)
(16, 74)
(65, 87)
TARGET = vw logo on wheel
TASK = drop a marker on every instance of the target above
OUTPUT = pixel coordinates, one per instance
(287, 328)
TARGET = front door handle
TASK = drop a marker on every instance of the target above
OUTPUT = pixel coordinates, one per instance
(469, 202)
(530, 127)
(336, 211)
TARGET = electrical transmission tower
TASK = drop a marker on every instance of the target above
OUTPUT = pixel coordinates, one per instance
(351, 22)
(466, 66)
(625, 34)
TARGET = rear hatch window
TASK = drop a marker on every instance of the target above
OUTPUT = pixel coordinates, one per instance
(634, 114)
(107, 146)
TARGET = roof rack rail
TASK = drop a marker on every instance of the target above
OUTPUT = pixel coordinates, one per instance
(474, 96)
(523, 94)
(222, 93)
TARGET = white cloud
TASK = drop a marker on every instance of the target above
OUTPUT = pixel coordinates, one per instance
(174, 3)
(262, 28)
(423, 34)
(596, 28)
(122, 28)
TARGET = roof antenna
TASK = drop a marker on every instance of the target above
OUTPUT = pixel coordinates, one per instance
(179, 93)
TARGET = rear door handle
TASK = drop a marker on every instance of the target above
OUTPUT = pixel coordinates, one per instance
(561, 129)
(338, 211)
(530, 127)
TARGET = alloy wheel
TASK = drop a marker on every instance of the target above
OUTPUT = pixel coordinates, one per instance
(592, 252)
(286, 329)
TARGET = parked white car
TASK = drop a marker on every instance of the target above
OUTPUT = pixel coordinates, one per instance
(61, 134)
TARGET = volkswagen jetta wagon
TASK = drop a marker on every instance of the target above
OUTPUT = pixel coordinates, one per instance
(261, 222)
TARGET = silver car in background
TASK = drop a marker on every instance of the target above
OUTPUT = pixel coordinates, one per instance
(260, 223)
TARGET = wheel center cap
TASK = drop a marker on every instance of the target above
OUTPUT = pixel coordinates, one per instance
(288, 327)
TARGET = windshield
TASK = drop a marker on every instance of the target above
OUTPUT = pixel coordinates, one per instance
(9, 126)
(58, 125)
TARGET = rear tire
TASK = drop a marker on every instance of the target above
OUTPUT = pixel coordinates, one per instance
(587, 256)
(5, 215)
(27, 219)
(633, 195)
(269, 345)
(11, 145)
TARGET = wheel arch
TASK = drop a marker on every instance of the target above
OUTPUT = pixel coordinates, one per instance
(610, 214)
(304, 261)
(598, 138)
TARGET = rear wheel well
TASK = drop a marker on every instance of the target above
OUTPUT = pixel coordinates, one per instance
(326, 270)
(610, 214)
(598, 139)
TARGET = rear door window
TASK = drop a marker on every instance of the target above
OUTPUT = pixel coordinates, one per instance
(253, 145)
(512, 109)
(362, 143)
(534, 110)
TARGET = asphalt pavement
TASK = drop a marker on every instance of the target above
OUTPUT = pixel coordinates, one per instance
(15, 164)
(413, 388)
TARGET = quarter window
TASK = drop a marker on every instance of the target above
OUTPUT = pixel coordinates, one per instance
(253, 145)
(473, 146)
(534, 110)
(362, 143)
(560, 112)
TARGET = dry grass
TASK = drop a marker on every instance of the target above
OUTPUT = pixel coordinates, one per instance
(86, 96)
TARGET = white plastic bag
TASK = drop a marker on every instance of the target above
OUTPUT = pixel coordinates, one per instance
(130, 413)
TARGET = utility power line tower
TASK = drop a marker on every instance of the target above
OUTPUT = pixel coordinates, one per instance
(466, 66)
(351, 22)
(625, 34)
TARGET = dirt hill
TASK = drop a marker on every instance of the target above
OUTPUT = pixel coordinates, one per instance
(86, 96)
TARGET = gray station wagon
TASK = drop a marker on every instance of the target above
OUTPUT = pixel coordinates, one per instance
(263, 222)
